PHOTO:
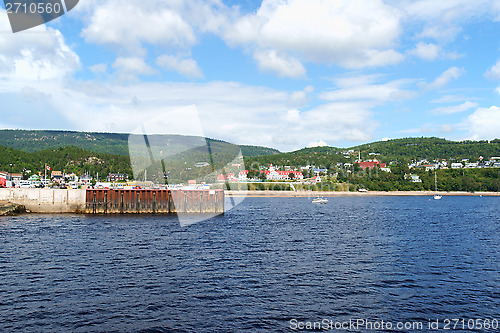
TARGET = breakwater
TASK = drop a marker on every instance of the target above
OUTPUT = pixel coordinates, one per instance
(104, 201)
(8, 209)
(154, 201)
(44, 200)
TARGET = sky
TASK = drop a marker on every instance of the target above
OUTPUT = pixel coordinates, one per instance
(278, 73)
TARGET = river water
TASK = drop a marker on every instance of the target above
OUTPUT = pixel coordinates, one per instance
(270, 265)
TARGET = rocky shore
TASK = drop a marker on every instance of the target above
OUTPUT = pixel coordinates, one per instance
(9, 209)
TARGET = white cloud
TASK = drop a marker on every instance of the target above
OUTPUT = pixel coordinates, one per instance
(351, 121)
(322, 31)
(426, 128)
(171, 26)
(494, 71)
(300, 98)
(484, 124)
(130, 67)
(426, 51)
(456, 108)
(99, 68)
(443, 20)
(373, 58)
(282, 65)
(446, 10)
(446, 128)
(364, 88)
(319, 143)
(449, 99)
(446, 77)
(125, 26)
(430, 52)
(186, 67)
(38, 54)
(229, 111)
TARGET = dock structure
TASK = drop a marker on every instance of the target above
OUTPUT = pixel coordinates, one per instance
(153, 201)
(118, 201)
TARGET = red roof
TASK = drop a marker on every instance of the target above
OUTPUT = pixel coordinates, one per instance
(371, 164)
(285, 173)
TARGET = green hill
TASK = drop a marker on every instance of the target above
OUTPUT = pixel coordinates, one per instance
(100, 143)
(400, 150)
(68, 159)
(252, 151)
(429, 148)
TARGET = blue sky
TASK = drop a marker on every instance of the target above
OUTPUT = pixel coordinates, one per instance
(278, 73)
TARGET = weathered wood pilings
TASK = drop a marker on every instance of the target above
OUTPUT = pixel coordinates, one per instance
(154, 201)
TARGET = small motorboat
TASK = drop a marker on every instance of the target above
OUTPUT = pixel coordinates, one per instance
(320, 200)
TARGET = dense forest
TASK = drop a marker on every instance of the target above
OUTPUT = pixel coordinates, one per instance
(68, 159)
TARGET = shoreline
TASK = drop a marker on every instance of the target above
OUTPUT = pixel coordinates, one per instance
(292, 194)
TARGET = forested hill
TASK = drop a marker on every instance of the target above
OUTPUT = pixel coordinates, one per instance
(394, 150)
(68, 159)
(401, 150)
(430, 149)
(99, 143)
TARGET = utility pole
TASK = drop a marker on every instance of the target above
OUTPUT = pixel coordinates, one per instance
(10, 176)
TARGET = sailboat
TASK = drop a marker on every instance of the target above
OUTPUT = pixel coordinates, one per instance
(436, 195)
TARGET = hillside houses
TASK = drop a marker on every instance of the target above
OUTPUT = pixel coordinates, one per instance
(272, 173)
(370, 164)
(493, 162)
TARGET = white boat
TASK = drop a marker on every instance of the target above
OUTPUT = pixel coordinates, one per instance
(320, 200)
(436, 195)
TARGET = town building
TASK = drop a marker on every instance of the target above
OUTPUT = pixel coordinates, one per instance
(85, 179)
(430, 167)
(273, 174)
(371, 164)
(117, 177)
(413, 178)
(56, 175)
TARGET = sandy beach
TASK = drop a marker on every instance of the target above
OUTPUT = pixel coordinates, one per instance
(285, 194)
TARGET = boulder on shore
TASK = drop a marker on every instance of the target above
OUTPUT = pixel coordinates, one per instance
(9, 209)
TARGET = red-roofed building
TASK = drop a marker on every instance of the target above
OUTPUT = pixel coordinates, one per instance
(371, 164)
(316, 179)
(229, 177)
(273, 174)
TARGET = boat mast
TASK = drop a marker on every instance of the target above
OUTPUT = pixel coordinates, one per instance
(435, 182)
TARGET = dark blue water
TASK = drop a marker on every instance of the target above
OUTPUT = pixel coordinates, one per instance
(255, 269)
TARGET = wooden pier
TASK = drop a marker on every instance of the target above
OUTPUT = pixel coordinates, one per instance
(154, 201)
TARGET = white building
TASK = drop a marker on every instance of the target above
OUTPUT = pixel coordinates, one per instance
(413, 178)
